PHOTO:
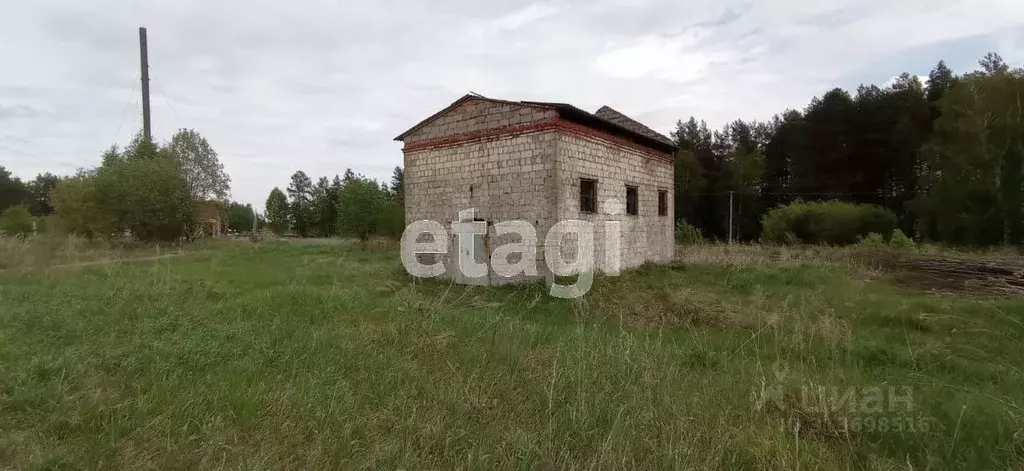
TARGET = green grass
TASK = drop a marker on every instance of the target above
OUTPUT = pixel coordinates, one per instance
(289, 356)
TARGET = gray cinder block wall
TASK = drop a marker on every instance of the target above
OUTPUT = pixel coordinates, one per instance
(524, 161)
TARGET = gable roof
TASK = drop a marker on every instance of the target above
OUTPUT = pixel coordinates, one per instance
(607, 113)
(455, 104)
(605, 119)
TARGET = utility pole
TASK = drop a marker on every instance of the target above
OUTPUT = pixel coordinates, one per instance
(730, 216)
(144, 59)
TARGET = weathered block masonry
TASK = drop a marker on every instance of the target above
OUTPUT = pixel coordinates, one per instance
(541, 163)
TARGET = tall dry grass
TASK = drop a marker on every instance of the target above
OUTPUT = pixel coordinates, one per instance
(859, 256)
(48, 251)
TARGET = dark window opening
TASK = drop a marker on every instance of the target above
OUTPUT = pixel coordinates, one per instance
(662, 203)
(632, 201)
(588, 196)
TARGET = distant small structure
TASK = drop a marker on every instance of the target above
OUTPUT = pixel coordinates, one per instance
(214, 217)
(543, 163)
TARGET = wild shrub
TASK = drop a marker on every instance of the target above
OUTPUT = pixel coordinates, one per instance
(145, 197)
(825, 222)
(898, 240)
(687, 234)
(16, 221)
(873, 240)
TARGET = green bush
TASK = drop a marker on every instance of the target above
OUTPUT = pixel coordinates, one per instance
(77, 205)
(873, 240)
(825, 222)
(145, 197)
(687, 234)
(900, 241)
(16, 221)
(897, 241)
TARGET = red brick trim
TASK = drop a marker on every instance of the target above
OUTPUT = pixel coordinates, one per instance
(588, 132)
(550, 124)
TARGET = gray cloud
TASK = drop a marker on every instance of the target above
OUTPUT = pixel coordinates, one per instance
(322, 85)
(20, 112)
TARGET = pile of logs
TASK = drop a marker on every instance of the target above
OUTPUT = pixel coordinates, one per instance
(993, 276)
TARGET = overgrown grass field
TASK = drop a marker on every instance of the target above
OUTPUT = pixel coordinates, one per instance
(325, 356)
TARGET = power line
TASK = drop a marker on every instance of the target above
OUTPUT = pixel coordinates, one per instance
(120, 122)
(164, 95)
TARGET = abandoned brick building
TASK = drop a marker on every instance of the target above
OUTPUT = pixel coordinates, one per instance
(541, 163)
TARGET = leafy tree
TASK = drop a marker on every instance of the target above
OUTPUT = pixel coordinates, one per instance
(993, 64)
(973, 169)
(139, 148)
(40, 188)
(138, 192)
(202, 169)
(278, 214)
(360, 203)
(349, 176)
(76, 200)
(300, 192)
(240, 217)
(148, 198)
(13, 191)
(16, 221)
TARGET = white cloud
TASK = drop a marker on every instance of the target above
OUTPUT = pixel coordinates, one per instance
(675, 58)
(892, 81)
(526, 15)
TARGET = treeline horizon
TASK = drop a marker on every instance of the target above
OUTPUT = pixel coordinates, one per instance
(945, 158)
(350, 204)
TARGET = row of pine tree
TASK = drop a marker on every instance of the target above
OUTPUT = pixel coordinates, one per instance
(945, 156)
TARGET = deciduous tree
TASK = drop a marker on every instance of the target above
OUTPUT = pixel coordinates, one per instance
(41, 188)
(13, 191)
(240, 217)
(277, 211)
(202, 169)
(360, 204)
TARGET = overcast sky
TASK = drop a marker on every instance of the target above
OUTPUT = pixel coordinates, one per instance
(321, 85)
